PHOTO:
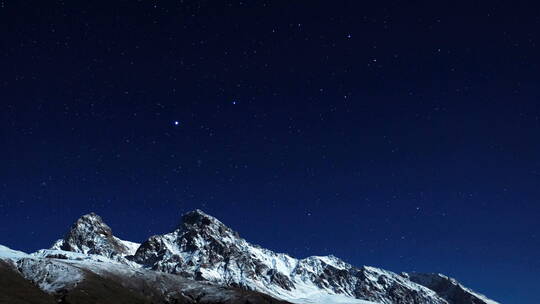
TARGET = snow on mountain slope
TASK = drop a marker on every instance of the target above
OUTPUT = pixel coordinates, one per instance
(131, 246)
(73, 256)
(61, 273)
(203, 248)
(49, 275)
(10, 254)
(90, 235)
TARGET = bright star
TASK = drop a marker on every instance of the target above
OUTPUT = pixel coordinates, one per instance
(176, 122)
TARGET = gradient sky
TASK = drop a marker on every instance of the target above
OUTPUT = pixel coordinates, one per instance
(401, 134)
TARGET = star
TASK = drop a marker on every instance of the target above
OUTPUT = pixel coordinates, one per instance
(176, 123)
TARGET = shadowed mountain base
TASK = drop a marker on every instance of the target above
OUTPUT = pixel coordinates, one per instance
(14, 289)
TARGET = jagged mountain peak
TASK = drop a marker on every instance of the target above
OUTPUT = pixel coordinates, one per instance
(204, 249)
(91, 235)
(92, 222)
(91, 215)
(200, 238)
(199, 212)
(199, 222)
(199, 218)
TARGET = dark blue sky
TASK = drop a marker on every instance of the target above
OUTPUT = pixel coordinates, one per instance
(401, 134)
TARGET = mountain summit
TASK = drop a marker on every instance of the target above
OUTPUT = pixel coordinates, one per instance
(199, 222)
(90, 235)
(202, 252)
(204, 249)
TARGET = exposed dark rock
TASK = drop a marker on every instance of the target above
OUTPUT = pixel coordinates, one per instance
(447, 288)
(204, 261)
(90, 235)
(14, 289)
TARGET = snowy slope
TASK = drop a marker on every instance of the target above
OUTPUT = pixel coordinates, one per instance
(130, 246)
(60, 272)
(49, 275)
(203, 248)
(203, 254)
(90, 235)
(10, 254)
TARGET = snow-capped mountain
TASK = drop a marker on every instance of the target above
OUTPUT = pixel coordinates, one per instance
(204, 253)
(203, 248)
(90, 235)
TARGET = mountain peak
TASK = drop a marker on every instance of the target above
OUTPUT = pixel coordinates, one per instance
(91, 215)
(198, 217)
(199, 221)
(92, 221)
(90, 235)
(204, 249)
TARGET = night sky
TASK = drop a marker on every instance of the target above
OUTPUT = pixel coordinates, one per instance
(399, 134)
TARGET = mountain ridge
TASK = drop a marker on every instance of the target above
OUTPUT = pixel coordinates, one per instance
(203, 249)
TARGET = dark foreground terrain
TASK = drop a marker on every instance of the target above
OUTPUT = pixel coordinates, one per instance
(95, 289)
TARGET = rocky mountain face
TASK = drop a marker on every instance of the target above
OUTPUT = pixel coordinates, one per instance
(15, 289)
(90, 235)
(203, 248)
(72, 278)
(448, 288)
(204, 259)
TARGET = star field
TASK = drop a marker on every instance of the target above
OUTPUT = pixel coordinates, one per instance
(402, 135)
